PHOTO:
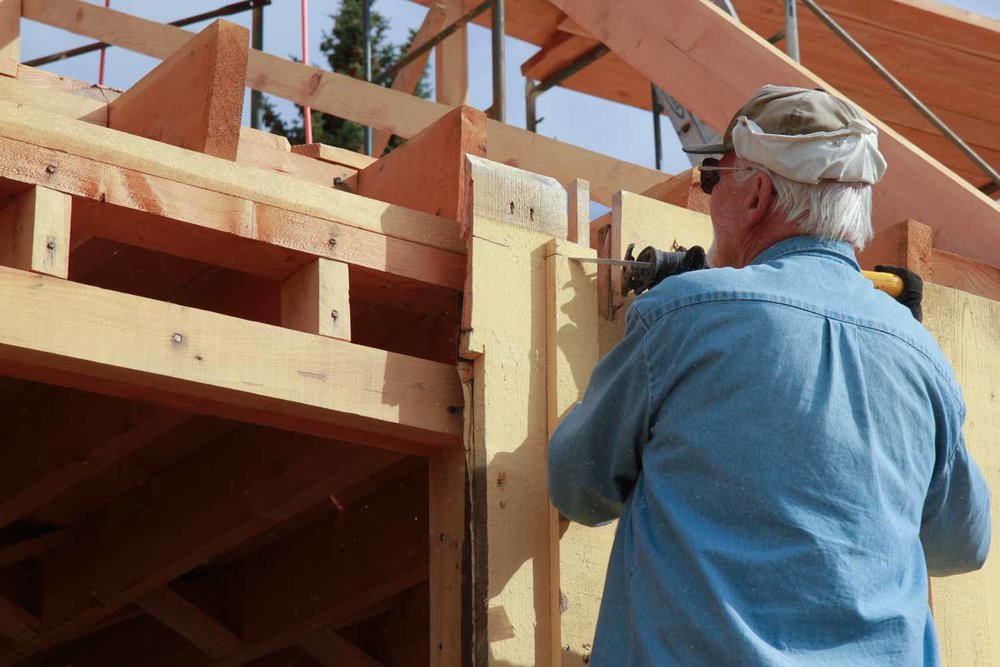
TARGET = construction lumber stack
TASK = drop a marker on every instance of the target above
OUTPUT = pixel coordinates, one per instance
(277, 405)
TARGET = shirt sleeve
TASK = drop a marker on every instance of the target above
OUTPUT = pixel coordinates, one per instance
(594, 455)
(955, 529)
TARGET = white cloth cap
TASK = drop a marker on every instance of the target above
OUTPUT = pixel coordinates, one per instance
(849, 155)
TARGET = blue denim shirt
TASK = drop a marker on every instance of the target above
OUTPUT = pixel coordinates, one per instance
(783, 446)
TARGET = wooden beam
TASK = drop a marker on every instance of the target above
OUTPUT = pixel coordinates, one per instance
(190, 622)
(194, 98)
(191, 512)
(293, 163)
(448, 483)
(578, 215)
(315, 300)
(10, 29)
(344, 96)
(451, 60)
(35, 232)
(906, 244)
(30, 547)
(335, 155)
(222, 365)
(47, 130)
(16, 623)
(713, 82)
(965, 274)
(406, 79)
(334, 651)
(429, 172)
(683, 189)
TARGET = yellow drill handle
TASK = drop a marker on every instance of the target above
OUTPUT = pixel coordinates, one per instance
(889, 283)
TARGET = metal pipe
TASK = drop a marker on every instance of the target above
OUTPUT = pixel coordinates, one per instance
(227, 10)
(257, 41)
(792, 30)
(657, 133)
(306, 111)
(904, 91)
(366, 28)
(530, 111)
(584, 60)
(499, 69)
(446, 32)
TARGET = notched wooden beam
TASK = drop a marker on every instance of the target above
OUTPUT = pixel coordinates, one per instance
(194, 98)
(35, 232)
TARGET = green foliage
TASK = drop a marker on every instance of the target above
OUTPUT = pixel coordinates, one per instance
(343, 48)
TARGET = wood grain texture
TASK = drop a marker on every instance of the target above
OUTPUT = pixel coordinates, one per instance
(965, 274)
(335, 155)
(316, 300)
(10, 29)
(578, 212)
(369, 104)
(967, 606)
(194, 98)
(906, 244)
(429, 172)
(712, 81)
(579, 554)
(213, 363)
(451, 60)
(35, 232)
(448, 481)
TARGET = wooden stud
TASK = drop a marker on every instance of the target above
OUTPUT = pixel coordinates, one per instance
(335, 155)
(10, 29)
(194, 98)
(406, 79)
(347, 97)
(712, 83)
(190, 622)
(578, 192)
(446, 534)
(182, 357)
(35, 232)
(315, 300)
(332, 650)
(429, 172)
(451, 60)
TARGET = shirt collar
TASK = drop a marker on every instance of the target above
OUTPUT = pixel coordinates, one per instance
(813, 245)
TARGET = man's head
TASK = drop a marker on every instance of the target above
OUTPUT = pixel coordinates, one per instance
(794, 162)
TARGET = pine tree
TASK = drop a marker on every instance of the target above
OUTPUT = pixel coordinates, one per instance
(343, 47)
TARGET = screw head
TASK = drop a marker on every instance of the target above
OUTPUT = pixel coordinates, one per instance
(51, 245)
(332, 242)
(177, 338)
(335, 314)
(50, 169)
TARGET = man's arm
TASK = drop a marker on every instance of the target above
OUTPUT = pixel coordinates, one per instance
(594, 455)
(955, 530)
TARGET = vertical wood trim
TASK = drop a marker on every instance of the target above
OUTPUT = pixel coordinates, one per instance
(578, 192)
(35, 232)
(10, 29)
(451, 60)
(316, 299)
(447, 519)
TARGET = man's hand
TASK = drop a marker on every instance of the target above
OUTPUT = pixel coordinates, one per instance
(913, 289)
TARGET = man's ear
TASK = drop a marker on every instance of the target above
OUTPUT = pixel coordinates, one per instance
(758, 199)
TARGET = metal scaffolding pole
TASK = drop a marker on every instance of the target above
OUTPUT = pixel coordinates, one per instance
(499, 68)
(227, 10)
(366, 27)
(657, 133)
(904, 91)
(257, 97)
(533, 90)
(792, 30)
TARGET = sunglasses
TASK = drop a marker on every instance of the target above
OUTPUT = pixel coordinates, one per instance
(709, 173)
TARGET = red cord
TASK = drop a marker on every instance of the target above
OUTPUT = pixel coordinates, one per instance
(100, 73)
(306, 111)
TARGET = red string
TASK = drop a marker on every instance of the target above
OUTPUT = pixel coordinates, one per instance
(306, 111)
(100, 73)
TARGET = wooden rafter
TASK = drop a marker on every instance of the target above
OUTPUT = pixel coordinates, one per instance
(190, 622)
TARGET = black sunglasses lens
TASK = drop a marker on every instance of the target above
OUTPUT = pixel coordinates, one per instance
(709, 179)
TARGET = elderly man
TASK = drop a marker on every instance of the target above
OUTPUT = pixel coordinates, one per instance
(781, 443)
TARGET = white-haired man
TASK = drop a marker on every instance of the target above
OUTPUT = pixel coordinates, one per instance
(781, 442)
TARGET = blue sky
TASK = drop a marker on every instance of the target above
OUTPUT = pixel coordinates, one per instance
(600, 125)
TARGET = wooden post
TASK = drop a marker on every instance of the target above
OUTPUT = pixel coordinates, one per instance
(194, 98)
(34, 232)
(315, 299)
(578, 218)
(10, 29)
(446, 535)
(451, 60)
(906, 244)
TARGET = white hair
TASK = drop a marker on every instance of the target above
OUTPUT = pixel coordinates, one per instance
(828, 209)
